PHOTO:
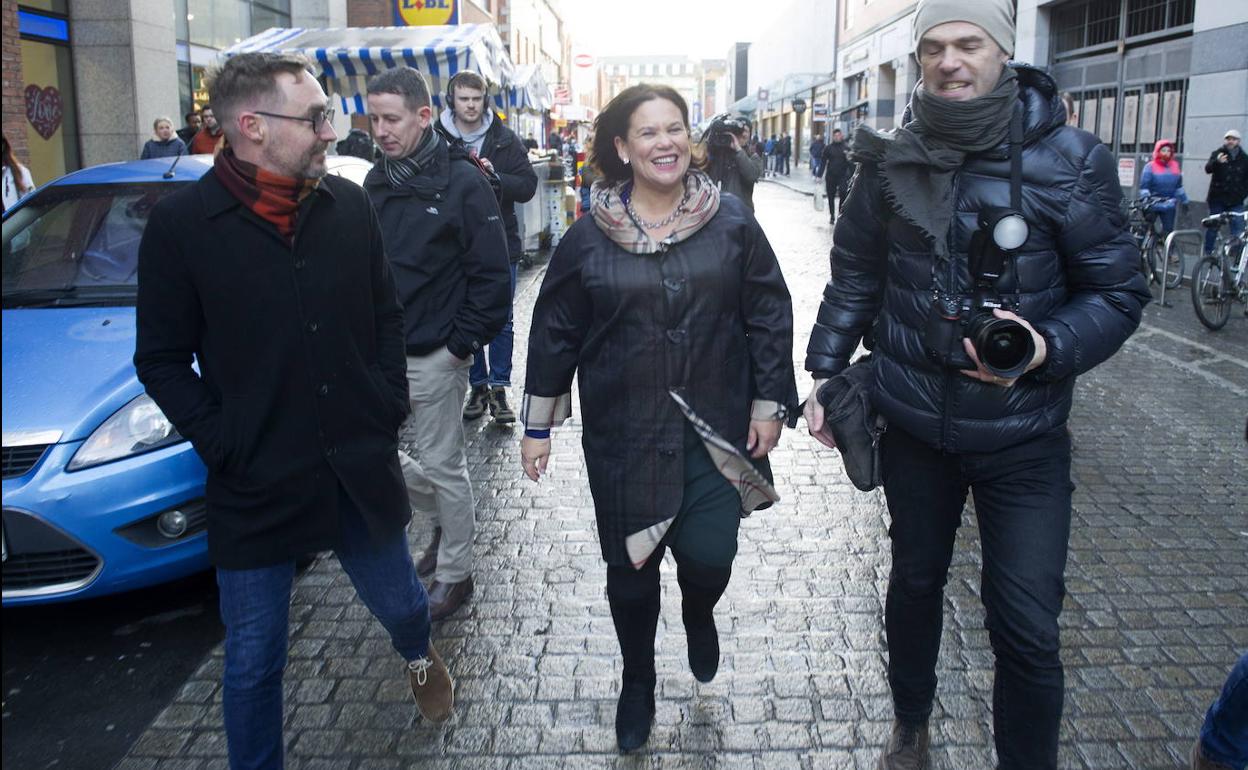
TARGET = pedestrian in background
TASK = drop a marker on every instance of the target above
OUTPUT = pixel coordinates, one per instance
(1228, 187)
(447, 247)
(1072, 114)
(270, 335)
(188, 131)
(16, 177)
(816, 156)
(733, 167)
(902, 267)
(769, 155)
(836, 173)
(786, 152)
(667, 288)
(208, 139)
(164, 143)
(1163, 178)
(468, 119)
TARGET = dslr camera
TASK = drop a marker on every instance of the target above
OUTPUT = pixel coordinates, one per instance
(1004, 347)
(722, 128)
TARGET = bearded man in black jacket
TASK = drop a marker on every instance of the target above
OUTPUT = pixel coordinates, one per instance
(445, 241)
(919, 251)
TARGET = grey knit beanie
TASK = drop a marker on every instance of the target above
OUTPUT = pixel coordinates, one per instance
(996, 17)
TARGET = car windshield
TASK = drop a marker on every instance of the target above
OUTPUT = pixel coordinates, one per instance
(77, 245)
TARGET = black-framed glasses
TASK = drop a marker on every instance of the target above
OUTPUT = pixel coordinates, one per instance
(318, 120)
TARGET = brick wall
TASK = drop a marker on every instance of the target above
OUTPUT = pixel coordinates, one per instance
(14, 103)
(366, 13)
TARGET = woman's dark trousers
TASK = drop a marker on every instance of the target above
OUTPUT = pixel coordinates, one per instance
(1022, 502)
(634, 598)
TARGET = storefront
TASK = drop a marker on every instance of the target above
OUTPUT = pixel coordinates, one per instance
(204, 28)
(48, 89)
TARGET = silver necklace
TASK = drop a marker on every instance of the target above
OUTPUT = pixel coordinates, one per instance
(670, 218)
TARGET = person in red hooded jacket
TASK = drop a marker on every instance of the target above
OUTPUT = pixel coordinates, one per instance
(1163, 178)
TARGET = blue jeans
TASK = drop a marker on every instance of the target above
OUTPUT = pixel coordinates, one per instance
(1211, 235)
(1224, 736)
(499, 352)
(255, 606)
(1022, 503)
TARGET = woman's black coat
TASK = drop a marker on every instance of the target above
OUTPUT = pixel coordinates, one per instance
(1076, 279)
(302, 379)
(710, 318)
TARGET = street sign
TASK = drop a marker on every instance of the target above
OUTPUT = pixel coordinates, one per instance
(562, 94)
(799, 106)
(583, 60)
(762, 95)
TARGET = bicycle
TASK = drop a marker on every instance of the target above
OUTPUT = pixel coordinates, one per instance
(1146, 228)
(1221, 279)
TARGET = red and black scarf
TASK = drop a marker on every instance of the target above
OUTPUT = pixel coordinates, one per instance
(273, 198)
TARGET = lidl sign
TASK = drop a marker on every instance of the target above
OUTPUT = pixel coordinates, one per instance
(425, 13)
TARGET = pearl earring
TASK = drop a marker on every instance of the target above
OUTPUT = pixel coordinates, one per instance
(626, 161)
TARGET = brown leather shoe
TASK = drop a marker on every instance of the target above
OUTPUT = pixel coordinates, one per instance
(445, 598)
(907, 749)
(432, 686)
(428, 562)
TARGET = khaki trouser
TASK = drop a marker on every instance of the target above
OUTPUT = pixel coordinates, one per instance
(437, 383)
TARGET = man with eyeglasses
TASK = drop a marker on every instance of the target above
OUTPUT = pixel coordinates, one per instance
(272, 277)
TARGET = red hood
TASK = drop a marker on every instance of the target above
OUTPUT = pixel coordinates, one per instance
(1158, 165)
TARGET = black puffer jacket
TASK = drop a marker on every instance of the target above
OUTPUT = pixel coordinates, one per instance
(1076, 279)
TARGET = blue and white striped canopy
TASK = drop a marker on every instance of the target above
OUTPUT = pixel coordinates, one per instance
(348, 57)
(528, 90)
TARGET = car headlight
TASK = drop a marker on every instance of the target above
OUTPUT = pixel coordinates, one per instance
(137, 427)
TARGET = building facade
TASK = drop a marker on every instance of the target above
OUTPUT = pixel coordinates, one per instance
(877, 69)
(792, 66)
(84, 80)
(681, 73)
(1145, 70)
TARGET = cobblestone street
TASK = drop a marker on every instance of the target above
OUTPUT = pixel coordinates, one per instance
(1156, 614)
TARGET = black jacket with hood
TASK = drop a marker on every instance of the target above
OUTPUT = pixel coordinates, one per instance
(444, 238)
(1076, 279)
(516, 178)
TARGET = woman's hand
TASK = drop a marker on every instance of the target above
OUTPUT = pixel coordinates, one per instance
(764, 435)
(534, 455)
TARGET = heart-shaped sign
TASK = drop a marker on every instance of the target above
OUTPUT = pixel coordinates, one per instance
(43, 109)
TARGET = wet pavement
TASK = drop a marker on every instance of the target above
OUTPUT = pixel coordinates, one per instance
(1156, 614)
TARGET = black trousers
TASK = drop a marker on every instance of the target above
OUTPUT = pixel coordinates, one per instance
(634, 598)
(1022, 502)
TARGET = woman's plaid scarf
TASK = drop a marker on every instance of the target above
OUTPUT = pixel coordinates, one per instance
(273, 198)
(610, 213)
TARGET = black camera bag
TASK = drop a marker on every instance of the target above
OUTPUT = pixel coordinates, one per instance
(855, 424)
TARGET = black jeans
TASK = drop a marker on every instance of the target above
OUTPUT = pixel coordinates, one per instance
(1022, 501)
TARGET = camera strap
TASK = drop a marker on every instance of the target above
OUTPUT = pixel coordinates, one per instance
(1016, 162)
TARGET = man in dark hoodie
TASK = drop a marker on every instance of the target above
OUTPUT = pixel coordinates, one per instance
(446, 244)
(469, 120)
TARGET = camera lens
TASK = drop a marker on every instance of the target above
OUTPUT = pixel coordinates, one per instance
(1004, 346)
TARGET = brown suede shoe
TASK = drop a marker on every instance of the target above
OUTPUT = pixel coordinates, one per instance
(432, 686)
(907, 748)
(445, 598)
(428, 562)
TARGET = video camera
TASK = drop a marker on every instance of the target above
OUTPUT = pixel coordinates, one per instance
(1005, 347)
(722, 128)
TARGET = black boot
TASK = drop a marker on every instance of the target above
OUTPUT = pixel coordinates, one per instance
(701, 586)
(478, 398)
(634, 598)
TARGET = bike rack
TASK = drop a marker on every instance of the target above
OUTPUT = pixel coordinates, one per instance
(1165, 257)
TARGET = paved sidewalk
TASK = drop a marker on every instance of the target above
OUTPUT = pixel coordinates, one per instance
(1156, 614)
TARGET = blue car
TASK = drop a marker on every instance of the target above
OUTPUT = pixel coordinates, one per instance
(101, 493)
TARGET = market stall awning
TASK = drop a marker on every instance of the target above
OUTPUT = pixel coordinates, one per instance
(528, 90)
(348, 57)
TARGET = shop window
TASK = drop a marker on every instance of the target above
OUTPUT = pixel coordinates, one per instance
(48, 93)
(1085, 25)
(1147, 16)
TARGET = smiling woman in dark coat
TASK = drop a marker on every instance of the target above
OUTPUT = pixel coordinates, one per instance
(670, 305)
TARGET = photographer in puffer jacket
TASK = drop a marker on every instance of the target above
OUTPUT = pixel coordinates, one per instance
(984, 246)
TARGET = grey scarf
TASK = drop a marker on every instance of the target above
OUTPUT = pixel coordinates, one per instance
(399, 170)
(917, 162)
